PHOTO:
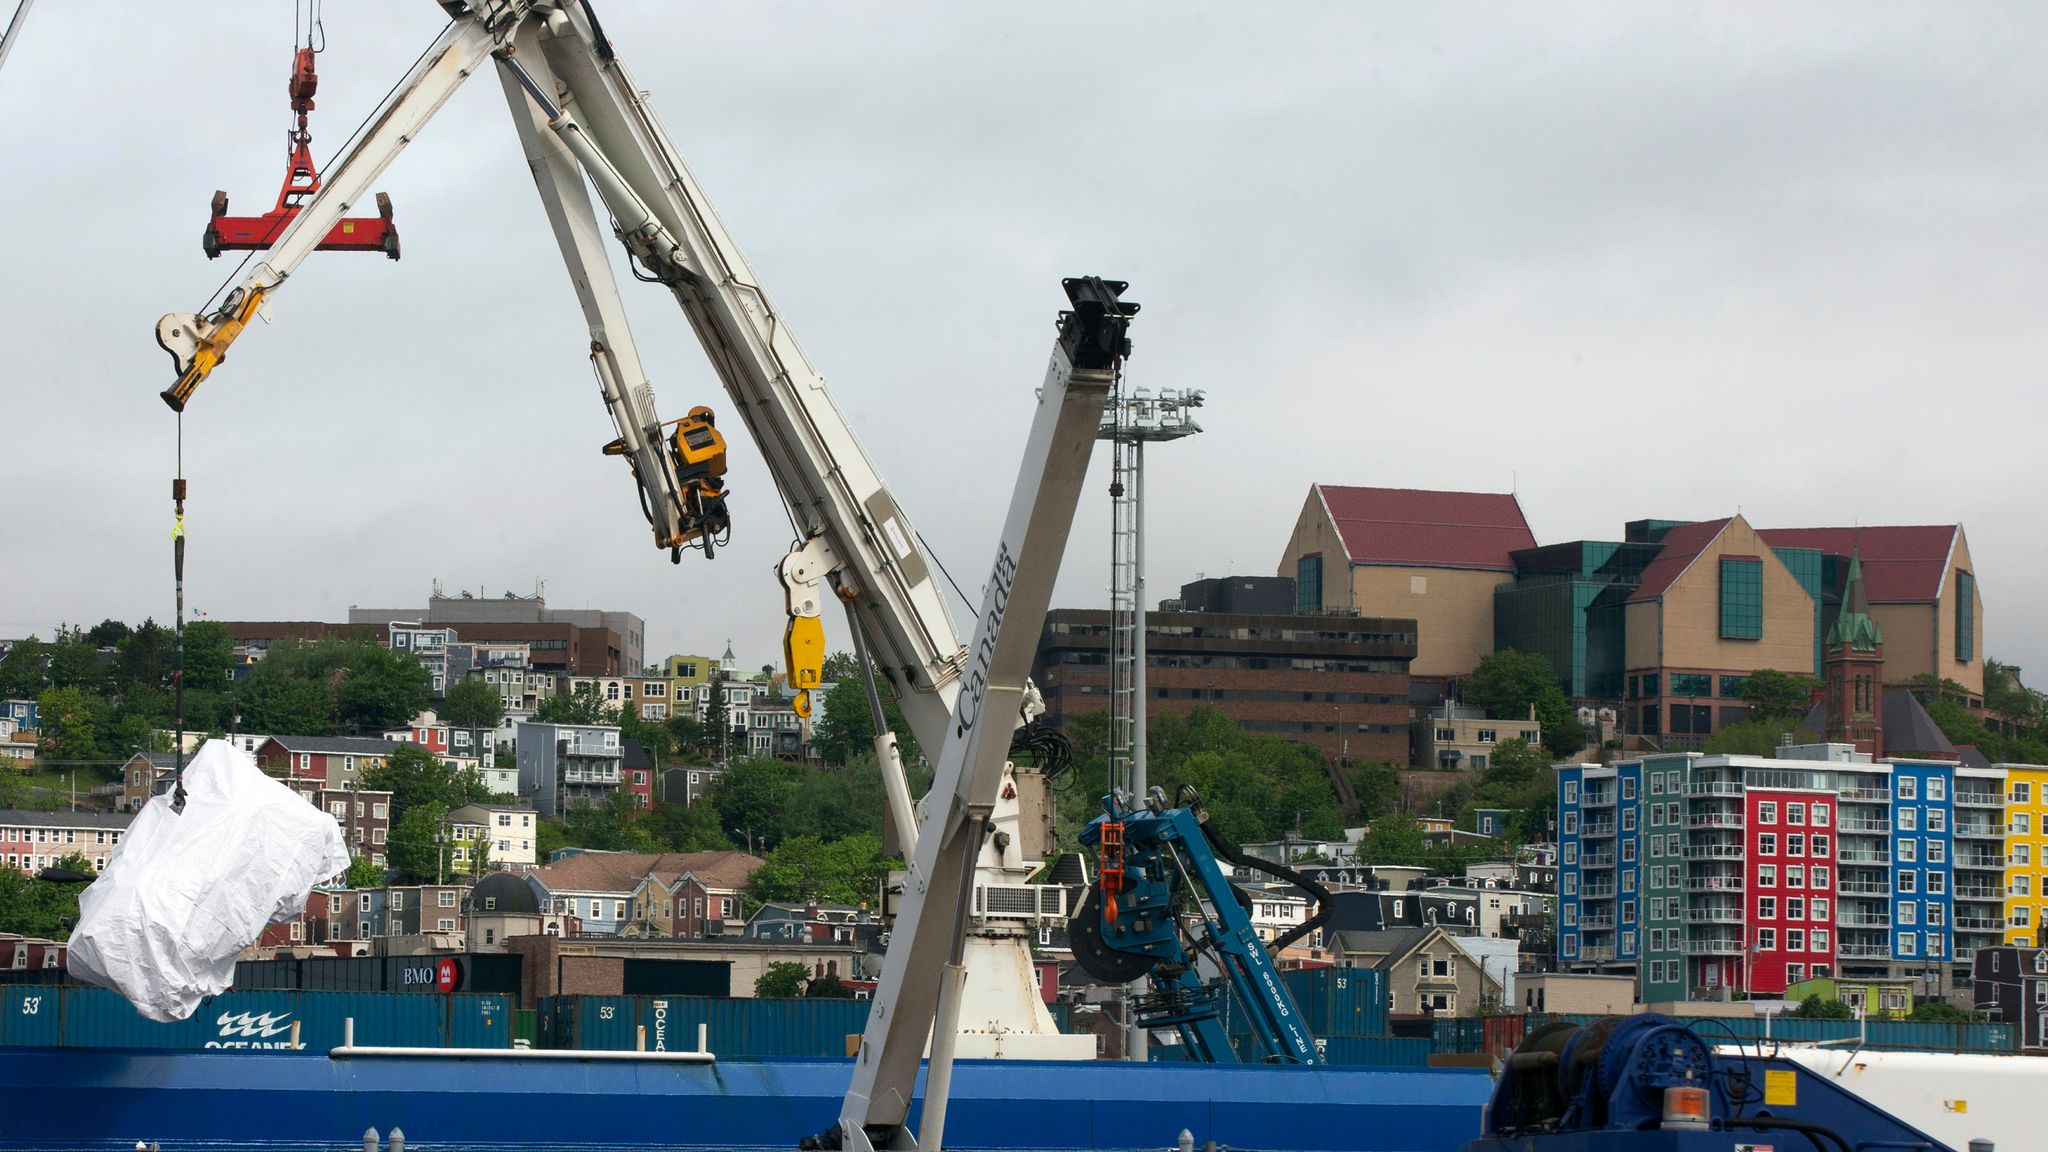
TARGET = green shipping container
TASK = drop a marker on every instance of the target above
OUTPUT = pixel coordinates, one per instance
(1340, 1001)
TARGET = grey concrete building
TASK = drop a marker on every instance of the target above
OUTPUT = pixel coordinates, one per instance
(565, 766)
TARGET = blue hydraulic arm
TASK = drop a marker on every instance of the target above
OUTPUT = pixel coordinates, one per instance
(1163, 908)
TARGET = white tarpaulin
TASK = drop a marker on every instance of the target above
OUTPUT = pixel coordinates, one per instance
(187, 891)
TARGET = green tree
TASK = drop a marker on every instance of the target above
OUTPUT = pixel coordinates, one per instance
(416, 845)
(1942, 1012)
(21, 670)
(417, 778)
(1508, 682)
(687, 737)
(70, 720)
(784, 980)
(107, 634)
(753, 796)
(1393, 839)
(579, 707)
(685, 828)
(1378, 787)
(839, 666)
(827, 987)
(380, 689)
(848, 871)
(363, 874)
(847, 730)
(1774, 694)
(549, 837)
(1815, 1008)
(1754, 737)
(480, 854)
(275, 700)
(209, 653)
(474, 704)
(610, 826)
(720, 741)
(31, 907)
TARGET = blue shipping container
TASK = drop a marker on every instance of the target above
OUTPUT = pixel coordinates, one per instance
(270, 1020)
(29, 1016)
(1883, 1035)
(742, 1027)
(1374, 1051)
(1340, 1001)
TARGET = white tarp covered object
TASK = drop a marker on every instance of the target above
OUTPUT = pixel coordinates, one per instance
(186, 891)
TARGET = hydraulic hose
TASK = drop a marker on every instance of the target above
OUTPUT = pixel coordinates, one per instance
(1315, 889)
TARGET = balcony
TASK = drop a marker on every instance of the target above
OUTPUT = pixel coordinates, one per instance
(1995, 861)
(1867, 795)
(1848, 919)
(1865, 887)
(1861, 855)
(1597, 860)
(1980, 923)
(1848, 951)
(1974, 831)
(1730, 914)
(1712, 884)
(1597, 924)
(1713, 788)
(1714, 820)
(1863, 827)
(1597, 892)
(1979, 892)
(1713, 852)
(1604, 830)
(1712, 947)
(1595, 953)
(1591, 799)
(1980, 799)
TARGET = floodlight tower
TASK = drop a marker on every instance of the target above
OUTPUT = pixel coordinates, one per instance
(1131, 419)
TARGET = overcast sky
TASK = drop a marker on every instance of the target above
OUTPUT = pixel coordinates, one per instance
(1629, 262)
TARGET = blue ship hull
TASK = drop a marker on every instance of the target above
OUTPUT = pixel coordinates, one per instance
(106, 1100)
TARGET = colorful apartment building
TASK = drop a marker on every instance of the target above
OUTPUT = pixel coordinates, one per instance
(1714, 875)
(2026, 853)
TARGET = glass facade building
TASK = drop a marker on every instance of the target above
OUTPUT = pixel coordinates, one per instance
(1566, 604)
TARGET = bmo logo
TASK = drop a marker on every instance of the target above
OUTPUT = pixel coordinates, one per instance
(444, 975)
(447, 975)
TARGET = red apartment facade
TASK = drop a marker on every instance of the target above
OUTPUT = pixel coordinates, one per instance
(1789, 873)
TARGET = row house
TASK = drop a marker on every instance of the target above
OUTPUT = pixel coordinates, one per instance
(687, 785)
(692, 896)
(508, 829)
(774, 728)
(811, 923)
(146, 774)
(364, 816)
(335, 915)
(16, 743)
(20, 953)
(424, 909)
(33, 841)
(457, 746)
(22, 712)
(328, 761)
(432, 647)
(646, 697)
(638, 769)
(563, 766)
(594, 888)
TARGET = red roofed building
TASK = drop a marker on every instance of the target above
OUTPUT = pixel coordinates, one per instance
(1922, 590)
(1409, 553)
(1715, 605)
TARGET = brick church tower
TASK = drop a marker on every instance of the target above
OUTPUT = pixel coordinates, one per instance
(1852, 666)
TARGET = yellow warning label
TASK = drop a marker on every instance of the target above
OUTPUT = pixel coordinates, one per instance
(1781, 1088)
(1957, 1105)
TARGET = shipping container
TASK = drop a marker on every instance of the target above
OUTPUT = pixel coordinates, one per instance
(1458, 1034)
(526, 1026)
(590, 1023)
(1374, 1051)
(754, 1027)
(1500, 1034)
(99, 1018)
(1340, 1001)
(1882, 1035)
(30, 1015)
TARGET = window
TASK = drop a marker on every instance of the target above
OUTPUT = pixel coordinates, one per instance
(1908, 788)
(1936, 916)
(1628, 880)
(1908, 819)
(1767, 844)
(1795, 813)
(1628, 911)
(1571, 792)
(1820, 815)
(1742, 599)
(1933, 944)
(1936, 883)
(1767, 812)
(2020, 916)
(1767, 939)
(1795, 973)
(1308, 583)
(1767, 907)
(1966, 616)
(1820, 845)
(1571, 852)
(1795, 876)
(2022, 792)
(1937, 851)
(1628, 820)
(1628, 788)
(1795, 845)
(1909, 880)
(1909, 851)
(2021, 854)
(1767, 876)
(1908, 944)
(447, 899)
(1937, 789)
(1795, 908)
(1571, 823)
(1691, 684)
(1571, 883)
(1795, 940)
(1818, 939)
(1937, 819)
(1819, 908)
(2020, 823)
(1656, 784)
(397, 900)
(444, 925)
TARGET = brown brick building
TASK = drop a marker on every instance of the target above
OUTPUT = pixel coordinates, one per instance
(1337, 682)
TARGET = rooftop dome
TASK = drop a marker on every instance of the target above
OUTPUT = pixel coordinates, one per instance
(503, 894)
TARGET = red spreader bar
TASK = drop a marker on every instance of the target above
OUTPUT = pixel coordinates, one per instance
(225, 233)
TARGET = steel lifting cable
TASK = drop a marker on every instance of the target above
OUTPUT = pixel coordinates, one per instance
(178, 671)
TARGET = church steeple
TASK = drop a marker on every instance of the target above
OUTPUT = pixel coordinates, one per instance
(1852, 663)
